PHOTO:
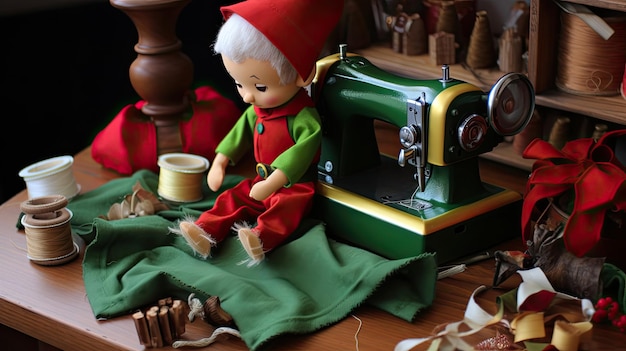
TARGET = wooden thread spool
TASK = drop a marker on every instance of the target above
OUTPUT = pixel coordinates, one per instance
(481, 52)
(448, 21)
(510, 53)
(588, 64)
(560, 132)
(533, 130)
(51, 177)
(599, 130)
(180, 177)
(46, 223)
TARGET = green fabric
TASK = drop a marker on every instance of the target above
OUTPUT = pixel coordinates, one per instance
(308, 283)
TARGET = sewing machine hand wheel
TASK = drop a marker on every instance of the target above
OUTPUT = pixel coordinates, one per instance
(511, 104)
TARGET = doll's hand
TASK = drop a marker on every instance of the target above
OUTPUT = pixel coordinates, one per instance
(215, 177)
(261, 190)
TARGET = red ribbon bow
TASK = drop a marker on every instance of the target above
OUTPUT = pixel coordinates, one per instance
(595, 175)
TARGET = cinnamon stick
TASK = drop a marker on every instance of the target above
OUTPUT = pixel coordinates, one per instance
(178, 316)
(153, 325)
(142, 328)
(164, 322)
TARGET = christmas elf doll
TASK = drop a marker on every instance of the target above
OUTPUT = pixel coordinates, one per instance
(269, 48)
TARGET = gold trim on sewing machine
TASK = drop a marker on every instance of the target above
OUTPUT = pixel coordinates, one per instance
(406, 220)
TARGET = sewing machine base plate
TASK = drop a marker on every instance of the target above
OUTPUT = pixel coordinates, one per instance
(394, 233)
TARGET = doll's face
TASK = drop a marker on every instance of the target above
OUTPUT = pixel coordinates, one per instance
(259, 84)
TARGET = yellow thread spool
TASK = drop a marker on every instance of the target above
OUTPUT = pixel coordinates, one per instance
(46, 223)
(180, 176)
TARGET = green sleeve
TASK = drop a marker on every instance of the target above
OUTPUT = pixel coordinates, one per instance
(240, 139)
(306, 131)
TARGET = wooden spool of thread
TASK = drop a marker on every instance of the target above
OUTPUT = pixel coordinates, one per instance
(588, 64)
(481, 52)
(534, 130)
(510, 53)
(46, 223)
(598, 131)
(448, 21)
(559, 134)
(180, 177)
(53, 176)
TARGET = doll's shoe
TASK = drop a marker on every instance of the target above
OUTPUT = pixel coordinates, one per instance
(252, 244)
(197, 238)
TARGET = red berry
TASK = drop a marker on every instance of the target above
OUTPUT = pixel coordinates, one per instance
(599, 316)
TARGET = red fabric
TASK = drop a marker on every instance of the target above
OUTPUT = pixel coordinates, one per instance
(537, 302)
(593, 173)
(129, 142)
(298, 28)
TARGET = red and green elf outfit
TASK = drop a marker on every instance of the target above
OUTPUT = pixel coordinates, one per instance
(288, 138)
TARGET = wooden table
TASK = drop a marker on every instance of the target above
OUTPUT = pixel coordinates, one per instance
(49, 303)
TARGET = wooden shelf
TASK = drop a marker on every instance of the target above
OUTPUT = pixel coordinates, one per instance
(421, 67)
(505, 154)
(607, 108)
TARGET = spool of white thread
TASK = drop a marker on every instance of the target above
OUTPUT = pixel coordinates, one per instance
(180, 176)
(53, 176)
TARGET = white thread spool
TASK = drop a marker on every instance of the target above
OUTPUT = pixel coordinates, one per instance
(51, 177)
(180, 176)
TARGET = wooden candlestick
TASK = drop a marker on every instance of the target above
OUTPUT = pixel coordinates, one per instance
(161, 74)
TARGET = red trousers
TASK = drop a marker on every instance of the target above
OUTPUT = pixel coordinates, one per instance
(277, 216)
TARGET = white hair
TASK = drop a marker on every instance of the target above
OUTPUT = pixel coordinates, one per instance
(239, 40)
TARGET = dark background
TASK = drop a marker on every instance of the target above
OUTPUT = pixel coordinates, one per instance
(64, 76)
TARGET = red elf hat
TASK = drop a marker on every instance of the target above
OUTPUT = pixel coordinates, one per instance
(298, 28)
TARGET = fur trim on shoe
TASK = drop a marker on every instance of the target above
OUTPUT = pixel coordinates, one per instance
(250, 242)
(199, 240)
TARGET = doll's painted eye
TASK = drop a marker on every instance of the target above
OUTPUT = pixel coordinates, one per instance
(260, 87)
(238, 85)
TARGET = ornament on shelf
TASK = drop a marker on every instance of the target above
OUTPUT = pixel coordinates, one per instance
(408, 32)
(414, 40)
(442, 48)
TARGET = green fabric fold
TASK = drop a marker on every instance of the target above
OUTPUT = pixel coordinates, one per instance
(306, 284)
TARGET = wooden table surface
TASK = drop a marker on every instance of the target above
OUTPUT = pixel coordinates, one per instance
(49, 303)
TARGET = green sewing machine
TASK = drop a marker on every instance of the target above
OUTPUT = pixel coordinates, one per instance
(430, 197)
